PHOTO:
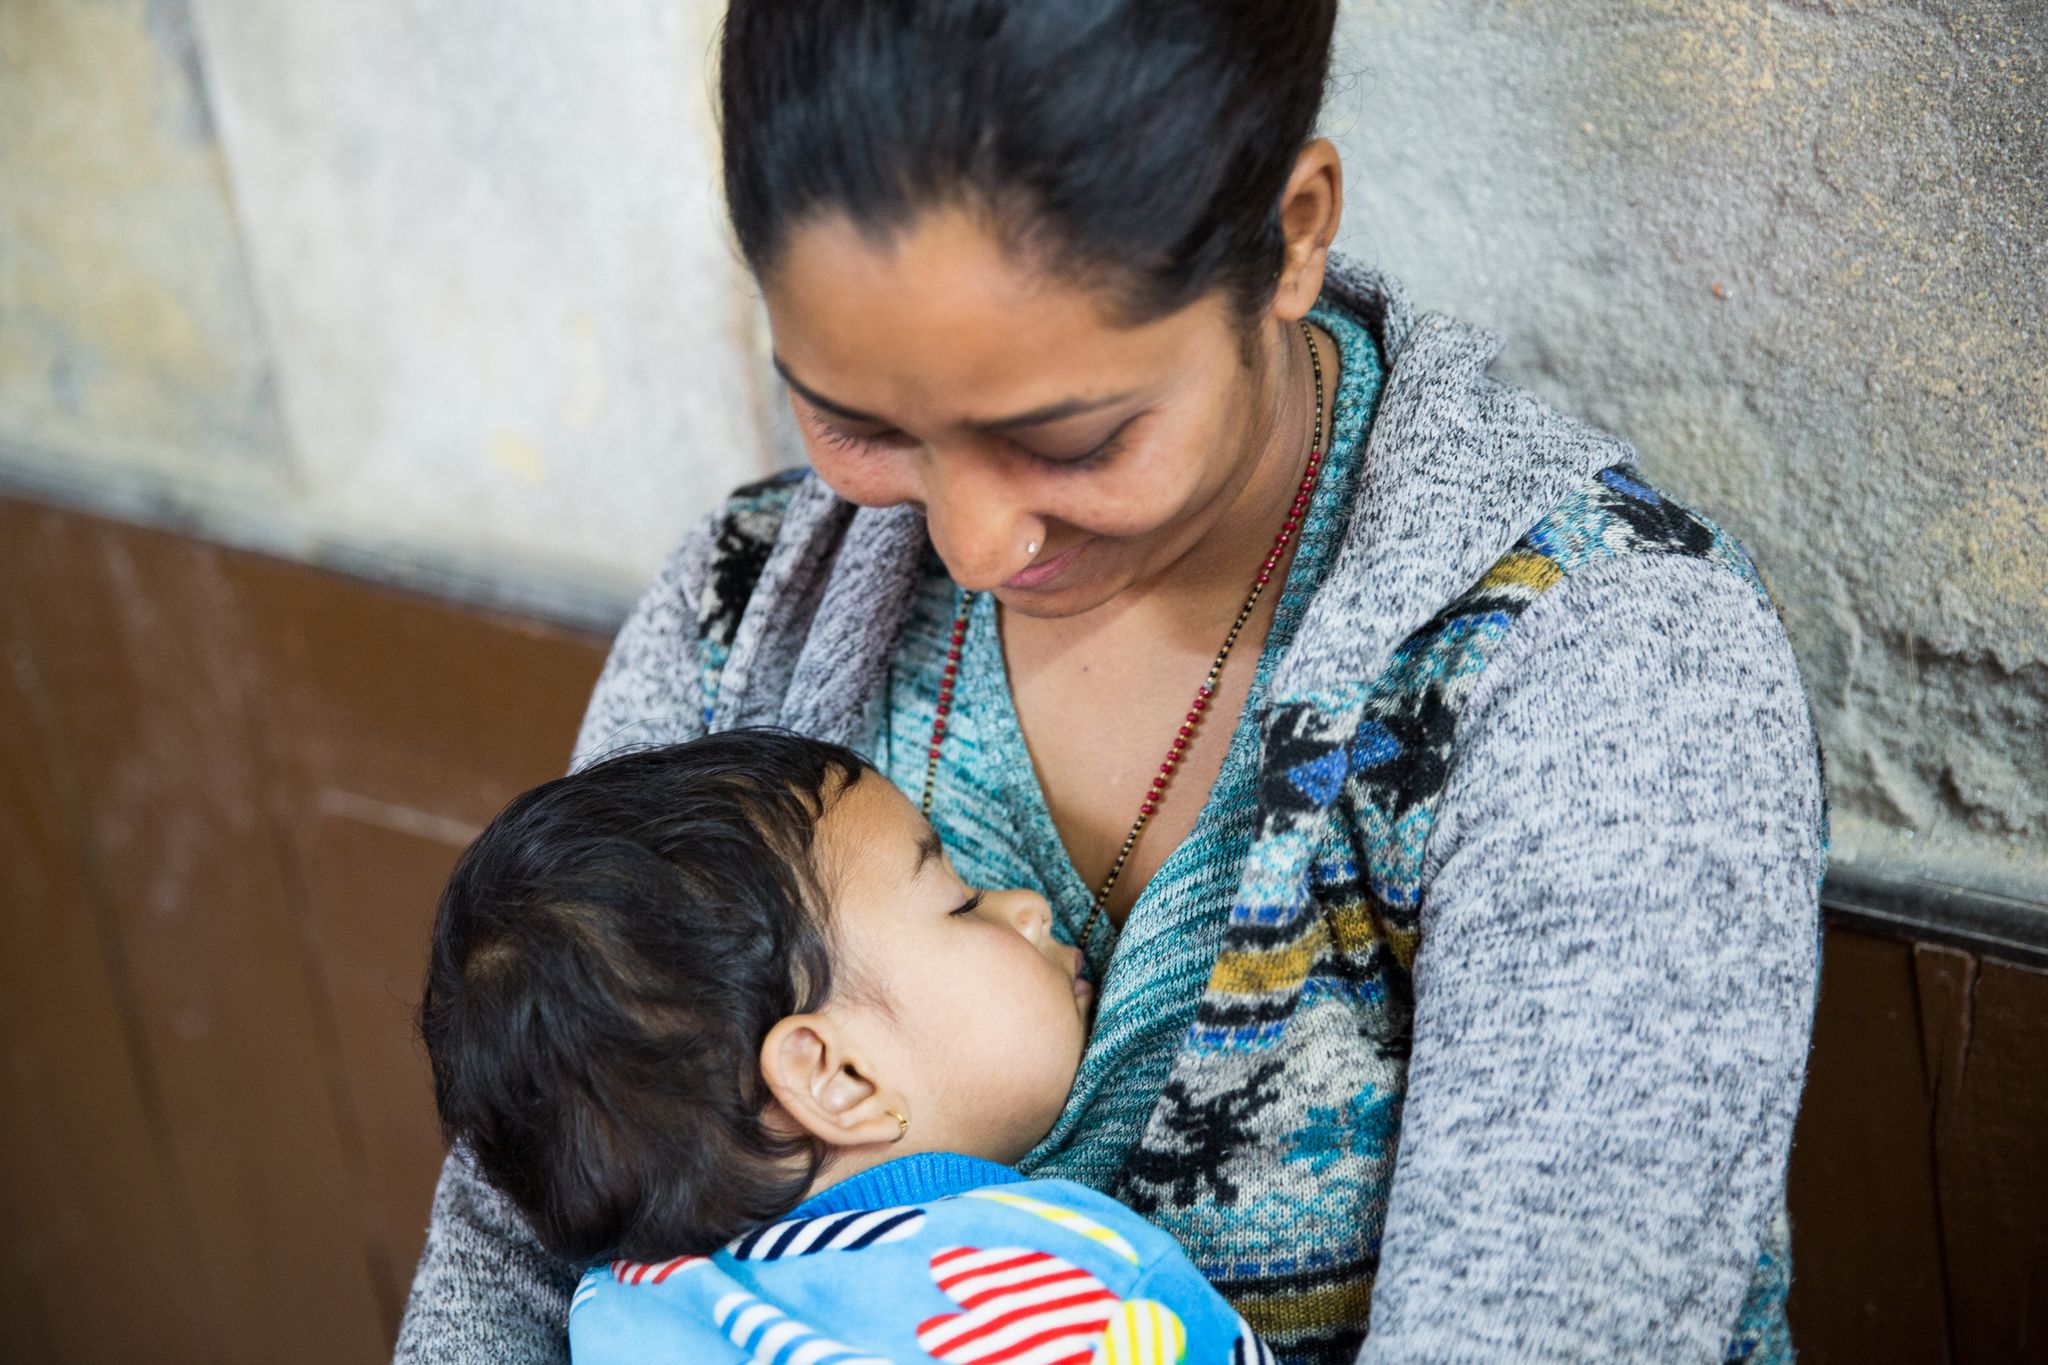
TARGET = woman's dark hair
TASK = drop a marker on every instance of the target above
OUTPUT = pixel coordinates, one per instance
(1141, 144)
(607, 958)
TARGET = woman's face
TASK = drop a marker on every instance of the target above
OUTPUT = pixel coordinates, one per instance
(935, 368)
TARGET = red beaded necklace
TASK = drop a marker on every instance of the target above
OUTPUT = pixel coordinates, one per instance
(1200, 707)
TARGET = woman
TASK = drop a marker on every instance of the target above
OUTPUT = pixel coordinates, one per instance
(1476, 992)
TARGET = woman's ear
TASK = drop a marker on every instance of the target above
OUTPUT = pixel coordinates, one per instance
(825, 1088)
(1311, 207)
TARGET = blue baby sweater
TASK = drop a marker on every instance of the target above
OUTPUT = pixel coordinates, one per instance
(934, 1256)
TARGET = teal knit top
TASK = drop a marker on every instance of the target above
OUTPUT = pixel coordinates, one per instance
(992, 814)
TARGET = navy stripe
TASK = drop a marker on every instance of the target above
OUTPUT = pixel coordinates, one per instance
(745, 1245)
(868, 1238)
(838, 1229)
(788, 1235)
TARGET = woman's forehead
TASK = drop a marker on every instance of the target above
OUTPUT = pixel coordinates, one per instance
(942, 321)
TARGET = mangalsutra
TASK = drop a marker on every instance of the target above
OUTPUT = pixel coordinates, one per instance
(1155, 795)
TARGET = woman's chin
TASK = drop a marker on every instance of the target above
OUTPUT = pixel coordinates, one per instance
(1054, 604)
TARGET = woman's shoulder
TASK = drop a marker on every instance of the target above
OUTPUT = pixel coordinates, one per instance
(1630, 581)
(734, 541)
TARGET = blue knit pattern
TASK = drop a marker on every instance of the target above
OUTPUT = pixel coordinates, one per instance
(992, 815)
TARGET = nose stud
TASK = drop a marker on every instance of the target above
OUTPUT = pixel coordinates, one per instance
(1032, 548)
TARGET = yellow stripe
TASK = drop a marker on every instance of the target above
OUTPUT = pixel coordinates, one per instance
(1176, 1336)
(1143, 1332)
(1066, 1218)
(1523, 570)
(1259, 973)
(1277, 1319)
(1353, 928)
(1350, 928)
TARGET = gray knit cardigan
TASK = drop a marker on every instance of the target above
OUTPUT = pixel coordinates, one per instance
(1614, 997)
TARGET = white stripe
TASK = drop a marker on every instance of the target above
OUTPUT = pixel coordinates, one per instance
(839, 1353)
(750, 1321)
(981, 1282)
(1012, 1300)
(768, 1245)
(808, 1238)
(1059, 1348)
(959, 1264)
(910, 1227)
(815, 1350)
(1082, 1320)
(779, 1336)
(865, 1224)
(992, 1289)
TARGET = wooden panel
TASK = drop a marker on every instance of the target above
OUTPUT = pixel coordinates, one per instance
(412, 701)
(1866, 1243)
(1986, 1026)
(231, 789)
(148, 694)
(83, 1179)
(396, 727)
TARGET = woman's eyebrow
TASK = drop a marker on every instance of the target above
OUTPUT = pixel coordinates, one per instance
(1037, 417)
(816, 399)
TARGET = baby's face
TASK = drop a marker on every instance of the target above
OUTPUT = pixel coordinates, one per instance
(978, 1013)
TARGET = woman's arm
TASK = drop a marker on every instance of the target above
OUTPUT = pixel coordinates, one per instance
(486, 1293)
(1615, 989)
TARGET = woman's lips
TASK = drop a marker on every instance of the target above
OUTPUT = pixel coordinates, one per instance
(1038, 575)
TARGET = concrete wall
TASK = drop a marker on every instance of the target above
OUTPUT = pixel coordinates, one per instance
(441, 291)
(435, 289)
(1797, 252)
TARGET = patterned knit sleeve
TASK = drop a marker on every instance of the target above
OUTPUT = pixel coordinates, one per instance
(485, 1291)
(1615, 987)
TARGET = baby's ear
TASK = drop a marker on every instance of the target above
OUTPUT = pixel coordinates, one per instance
(825, 1089)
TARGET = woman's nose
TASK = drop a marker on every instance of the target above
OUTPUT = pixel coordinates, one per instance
(974, 520)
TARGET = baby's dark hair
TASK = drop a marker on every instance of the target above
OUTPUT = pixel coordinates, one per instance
(608, 956)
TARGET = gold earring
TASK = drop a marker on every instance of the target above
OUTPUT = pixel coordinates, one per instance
(902, 1124)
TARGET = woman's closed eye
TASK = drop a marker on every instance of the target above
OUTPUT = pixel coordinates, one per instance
(838, 439)
(971, 904)
(846, 440)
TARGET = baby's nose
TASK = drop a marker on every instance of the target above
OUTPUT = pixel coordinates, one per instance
(1028, 913)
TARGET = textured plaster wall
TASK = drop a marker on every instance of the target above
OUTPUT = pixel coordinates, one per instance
(394, 282)
(128, 334)
(1798, 253)
(384, 282)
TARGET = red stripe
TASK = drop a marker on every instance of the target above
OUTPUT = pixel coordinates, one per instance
(1017, 1315)
(953, 1254)
(673, 1266)
(1084, 1352)
(1028, 1258)
(977, 1300)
